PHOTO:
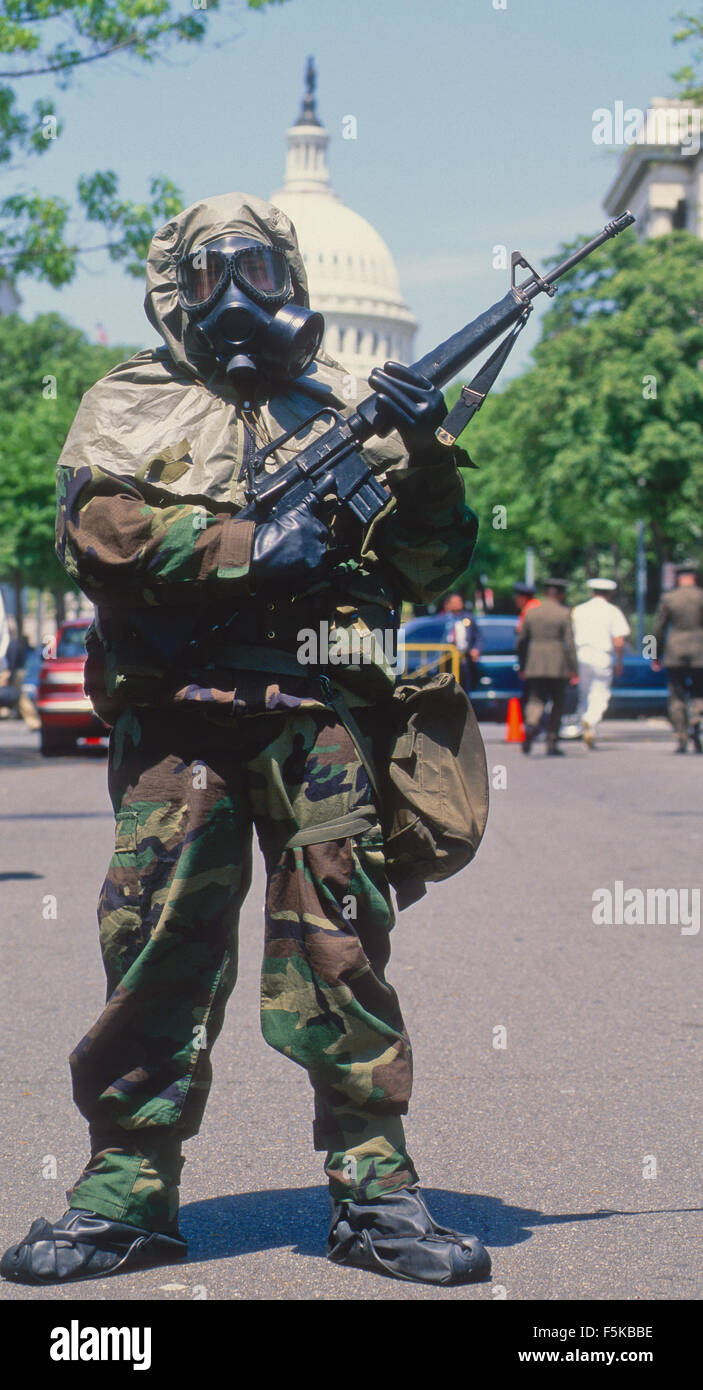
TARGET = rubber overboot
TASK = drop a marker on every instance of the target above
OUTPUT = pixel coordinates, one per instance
(84, 1245)
(396, 1235)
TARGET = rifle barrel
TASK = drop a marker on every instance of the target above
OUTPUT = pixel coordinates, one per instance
(611, 229)
(449, 357)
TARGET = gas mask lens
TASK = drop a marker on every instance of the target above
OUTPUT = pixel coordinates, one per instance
(260, 271)
(199, 277)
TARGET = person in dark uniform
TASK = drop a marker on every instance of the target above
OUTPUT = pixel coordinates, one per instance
(462, 630)
(678, 632)
(547, 655)
(17, 699)
(524, 595)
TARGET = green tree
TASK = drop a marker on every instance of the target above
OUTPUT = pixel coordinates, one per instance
(689, 78)
(54, 39)
(605, 427)
(45, 367)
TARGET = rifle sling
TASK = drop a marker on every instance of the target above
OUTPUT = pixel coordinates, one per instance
(473, 396)
(345, 716)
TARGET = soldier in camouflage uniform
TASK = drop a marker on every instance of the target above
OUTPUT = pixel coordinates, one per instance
(218, 728)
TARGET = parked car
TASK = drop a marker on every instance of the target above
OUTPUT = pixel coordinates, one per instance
(67, 716)
(639, 690)
(496, 677)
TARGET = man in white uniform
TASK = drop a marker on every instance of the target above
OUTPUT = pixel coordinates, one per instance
(600, 629)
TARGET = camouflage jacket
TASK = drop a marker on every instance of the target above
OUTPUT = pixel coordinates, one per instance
(150, 482)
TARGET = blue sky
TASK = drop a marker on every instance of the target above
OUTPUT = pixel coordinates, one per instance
(474, 129)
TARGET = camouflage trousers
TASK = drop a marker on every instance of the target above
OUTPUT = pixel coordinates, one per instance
(186, 794)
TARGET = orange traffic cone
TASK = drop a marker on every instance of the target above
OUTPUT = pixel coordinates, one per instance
(514, 729)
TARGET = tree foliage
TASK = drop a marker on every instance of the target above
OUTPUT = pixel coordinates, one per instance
(45, 367)
(689, 78)
(605, 427)
(52, 39)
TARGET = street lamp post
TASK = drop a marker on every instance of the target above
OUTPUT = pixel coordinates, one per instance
(640, 583)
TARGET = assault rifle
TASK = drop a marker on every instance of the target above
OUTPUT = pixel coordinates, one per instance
(334, 464)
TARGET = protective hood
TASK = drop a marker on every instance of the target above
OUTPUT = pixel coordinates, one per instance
(167, 418)
(196, 226)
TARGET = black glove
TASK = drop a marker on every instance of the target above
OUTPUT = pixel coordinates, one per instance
(294, 551)
(411, 404)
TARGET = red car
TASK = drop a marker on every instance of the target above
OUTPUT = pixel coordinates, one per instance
(66, 713)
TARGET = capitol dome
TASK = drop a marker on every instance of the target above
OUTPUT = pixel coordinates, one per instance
(351, 272)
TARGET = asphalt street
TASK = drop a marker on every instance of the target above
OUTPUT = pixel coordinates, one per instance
(573, 1149)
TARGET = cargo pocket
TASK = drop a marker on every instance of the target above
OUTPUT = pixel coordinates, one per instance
(119, 915)
(125, 854)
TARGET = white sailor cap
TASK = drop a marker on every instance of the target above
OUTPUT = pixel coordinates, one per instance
(606, 586)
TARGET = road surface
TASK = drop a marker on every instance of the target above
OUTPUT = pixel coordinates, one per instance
(556, 1109)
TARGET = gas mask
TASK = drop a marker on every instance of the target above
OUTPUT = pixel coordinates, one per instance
(237, 292)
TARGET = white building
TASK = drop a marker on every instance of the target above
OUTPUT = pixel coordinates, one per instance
(352, 276)
(660, 178)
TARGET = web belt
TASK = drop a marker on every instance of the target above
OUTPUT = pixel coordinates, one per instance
(286, 664)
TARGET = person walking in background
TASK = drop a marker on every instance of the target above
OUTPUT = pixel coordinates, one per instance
(7, 694)
(600, 629)
(547, 656)
(4, 636)
(462, 630)
(524, 595)
(16, 659)
(678, 633)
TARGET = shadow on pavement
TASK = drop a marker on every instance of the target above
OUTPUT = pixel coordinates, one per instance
(26, 755)
(21, 756)
(243, 1223)
(56, 815)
